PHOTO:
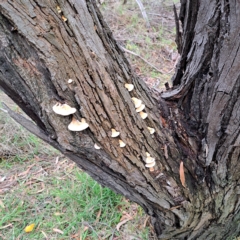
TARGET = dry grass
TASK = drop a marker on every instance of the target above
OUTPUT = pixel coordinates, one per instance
(155, 44)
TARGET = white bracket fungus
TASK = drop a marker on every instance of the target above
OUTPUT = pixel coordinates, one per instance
(150, 165)
(150, 162)
(122, 144)
(115, 133)
(96, 146)
(137, 102)
(59, 9)
(129, 87)
(151, 130)
(70, 81)
(64, 18)
(139, 109)
(63, 109)
(143, 115)
(76, 125)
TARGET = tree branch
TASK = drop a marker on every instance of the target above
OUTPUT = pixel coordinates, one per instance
(135, 54)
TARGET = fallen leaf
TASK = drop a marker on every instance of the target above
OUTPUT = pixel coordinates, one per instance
(45, 235)
(9, 225)
(29, 228)
(3, 178)
(98, 216)
(58, 214)
(122, 222)
(145, 221)
(27, 171)
(2, 204)
(165, 151)
(85, 228)
(181, 172)
(58, 230)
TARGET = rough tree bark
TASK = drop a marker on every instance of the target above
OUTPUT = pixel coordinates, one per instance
(196, 122)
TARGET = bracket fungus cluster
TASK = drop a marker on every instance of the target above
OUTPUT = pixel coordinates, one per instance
(66, 110)
(59, 10)
(139, 107)
(116, 134)
(150, 162)
(76, 125)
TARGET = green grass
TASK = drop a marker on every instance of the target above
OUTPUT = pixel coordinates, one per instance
(69, 205)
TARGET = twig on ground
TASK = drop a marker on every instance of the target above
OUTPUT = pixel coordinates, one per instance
(144, 14)
(3, 110)
(135, 54)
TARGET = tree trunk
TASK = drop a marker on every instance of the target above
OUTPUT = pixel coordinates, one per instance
(45, 43)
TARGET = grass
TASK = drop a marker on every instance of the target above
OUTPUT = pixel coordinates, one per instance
(69, 204)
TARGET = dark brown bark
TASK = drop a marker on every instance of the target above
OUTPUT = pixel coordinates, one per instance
(196, 122)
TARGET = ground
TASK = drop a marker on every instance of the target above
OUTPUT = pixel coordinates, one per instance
(38, 185)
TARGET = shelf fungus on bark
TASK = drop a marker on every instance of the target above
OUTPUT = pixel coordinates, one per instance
(151, 130)
(59, 9)
(63, 109)
(76, 125)
(129, 87)
(143, 115)
(64, 18)
(70, 81)
(151, 166)
(150, 162)
(137, 102)
(96, 146)
(122, 144)
(139, 109)
(115, 133)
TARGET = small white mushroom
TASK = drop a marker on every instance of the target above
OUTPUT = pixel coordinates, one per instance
(63, 109)
(115, 133)
(64, 18)
(70, 81)
(76, 125)
(59, 9)
(150, 165)
(129, 87)
(143, 115)
(96, 146)
(139, 109)
(150, 160)
(147, 154)
(137, 102)
(151, 130)
(122, 144)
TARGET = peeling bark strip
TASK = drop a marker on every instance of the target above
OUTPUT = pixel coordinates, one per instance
(182, 175)
(56, 52)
